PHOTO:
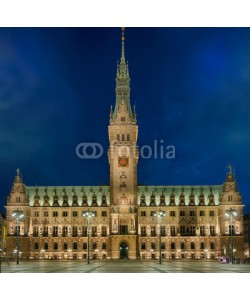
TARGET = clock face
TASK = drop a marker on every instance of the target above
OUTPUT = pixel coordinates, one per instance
(123, 161)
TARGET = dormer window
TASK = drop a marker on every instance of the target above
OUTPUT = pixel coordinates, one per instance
(122, 119)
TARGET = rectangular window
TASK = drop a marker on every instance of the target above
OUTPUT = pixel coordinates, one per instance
(212, 230)
(143, 231)
(45, 214)
(46, 246)
(64, 213)
(152, 213)
(55, 214)
(191, 213)
(74, 231)
(55, 246)
(45, 231)
(202, 213)
(104, 213)
(118, 137)
(202, 230)
(36, 214)
(104, 230)
(211, 213)
(182, 213)
(74, 213)
(182, 246)
(143, 213)
(36, 246)
(94, 213)
(192, 230)
(55, 231)
(128, 137)
(84, 231)
(94, 230)
(172, 230)
(172, 213)
(123, 137)
(182, 230)
(65, 246)
(153, 231)
(35, 231)
(75, 246)
(65, 230)
(163, 230)
(231, 229)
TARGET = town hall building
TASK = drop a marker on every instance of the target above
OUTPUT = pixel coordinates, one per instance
(124, 219)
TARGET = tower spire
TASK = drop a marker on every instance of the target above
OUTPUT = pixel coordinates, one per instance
(123, 48)
(123, 83)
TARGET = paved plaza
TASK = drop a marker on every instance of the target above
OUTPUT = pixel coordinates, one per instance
(123, 266)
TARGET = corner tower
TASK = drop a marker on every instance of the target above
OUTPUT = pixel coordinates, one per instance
(123, 158)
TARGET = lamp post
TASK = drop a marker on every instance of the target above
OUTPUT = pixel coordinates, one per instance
(231, 214)
(17, 215)
(89, 216)
(160, 215)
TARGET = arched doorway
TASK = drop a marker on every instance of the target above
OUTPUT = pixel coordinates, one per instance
(123, 250)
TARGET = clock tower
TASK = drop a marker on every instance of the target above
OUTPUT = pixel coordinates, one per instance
(123, 159)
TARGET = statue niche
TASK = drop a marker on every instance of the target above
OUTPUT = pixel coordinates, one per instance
(123, 179)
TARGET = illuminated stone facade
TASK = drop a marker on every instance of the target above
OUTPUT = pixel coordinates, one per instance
(125, 223)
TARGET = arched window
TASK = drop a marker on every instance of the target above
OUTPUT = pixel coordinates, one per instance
(104, 246)
(94, 246)
(202, 245)
(212, 246)
(84, 246)
(152, 245)
(143, 246)
(172, 245)
(163, 246)
(182, 246)
(192, 245)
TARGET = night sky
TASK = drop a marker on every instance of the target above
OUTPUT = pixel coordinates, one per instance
(191, 87)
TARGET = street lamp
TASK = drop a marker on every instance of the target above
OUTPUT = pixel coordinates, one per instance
(231, 214)
(17, 215)
(160, 215)
(89, 216)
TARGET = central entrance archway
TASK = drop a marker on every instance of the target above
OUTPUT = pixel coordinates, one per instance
(123, 250)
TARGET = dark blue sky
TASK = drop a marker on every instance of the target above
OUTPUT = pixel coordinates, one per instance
(191, 87)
